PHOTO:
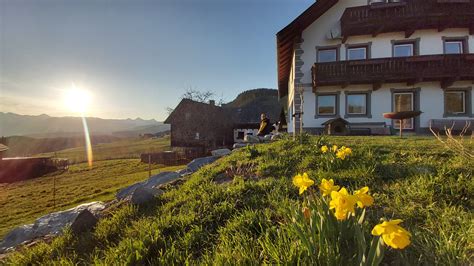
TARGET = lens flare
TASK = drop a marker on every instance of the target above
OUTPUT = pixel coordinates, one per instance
(88, 142)
(77, 100)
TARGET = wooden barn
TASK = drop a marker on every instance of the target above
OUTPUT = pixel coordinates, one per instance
(3, 149)
(204, 125)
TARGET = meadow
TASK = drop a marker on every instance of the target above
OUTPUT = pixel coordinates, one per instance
(240, 210)
(23, 202)
(123, 149)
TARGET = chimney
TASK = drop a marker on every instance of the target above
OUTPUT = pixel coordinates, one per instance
(212, 102)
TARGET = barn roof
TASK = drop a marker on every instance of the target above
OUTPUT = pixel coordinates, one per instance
(248, 113)
(287, 37)
(3, 148)
(186, 105)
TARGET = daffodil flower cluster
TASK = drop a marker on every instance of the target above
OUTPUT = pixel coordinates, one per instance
(344, 204)
(341, 153)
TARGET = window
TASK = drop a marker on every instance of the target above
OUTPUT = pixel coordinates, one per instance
(454, 46)
(326, 104)
(403, 49)
(455, 102)
(327, 55)
(356, 53)
(357, 104)
(403, 101)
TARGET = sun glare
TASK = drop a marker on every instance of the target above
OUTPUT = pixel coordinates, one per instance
(77, 100)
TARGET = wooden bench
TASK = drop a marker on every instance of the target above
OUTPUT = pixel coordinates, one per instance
(455, 124)
(369, 128)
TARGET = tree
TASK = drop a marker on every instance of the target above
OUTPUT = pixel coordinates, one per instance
(198, 96)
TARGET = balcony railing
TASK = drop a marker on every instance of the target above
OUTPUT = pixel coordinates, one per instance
(407, 16)
(444, 68)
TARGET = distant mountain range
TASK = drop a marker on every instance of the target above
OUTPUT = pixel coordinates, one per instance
(47, 126)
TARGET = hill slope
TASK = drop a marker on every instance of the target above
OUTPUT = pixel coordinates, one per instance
(238, 210)
(250, 104)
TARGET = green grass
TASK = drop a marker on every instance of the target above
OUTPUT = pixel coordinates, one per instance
(214, 219)
(23, 202)
(123, 149)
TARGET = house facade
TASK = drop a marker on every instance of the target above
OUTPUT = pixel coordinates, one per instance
(358, 59)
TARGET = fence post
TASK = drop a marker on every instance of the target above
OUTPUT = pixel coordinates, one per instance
(149, 165)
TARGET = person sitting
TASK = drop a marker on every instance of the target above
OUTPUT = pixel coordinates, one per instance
(264, 131)
(265, 126)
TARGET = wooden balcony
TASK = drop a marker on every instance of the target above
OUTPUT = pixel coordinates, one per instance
(407, 16)
(444, 68)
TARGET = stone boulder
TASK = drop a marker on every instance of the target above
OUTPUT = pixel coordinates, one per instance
(221, 152)
(161, 178)
(240, 145)
(143, 195)
(156, 180)
(84, 222)
(50, 224)
(196, 164)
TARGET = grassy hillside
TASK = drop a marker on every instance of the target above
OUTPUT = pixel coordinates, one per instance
(27, 146)
(240, 209)
(122, 149)
(23, 202)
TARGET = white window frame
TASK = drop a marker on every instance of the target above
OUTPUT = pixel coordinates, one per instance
(412, 45)
(327, 49)
(412, 120)
(357, 48)
(335, 105)
(365, 105)
(463, 102)
(460, 42)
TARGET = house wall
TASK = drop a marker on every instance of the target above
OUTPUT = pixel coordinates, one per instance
(431, 103)
(430, 42)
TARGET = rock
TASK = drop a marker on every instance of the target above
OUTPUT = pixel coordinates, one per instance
(84, 222)
(196, 164)
(182, 172)
(220, 152)
(125, 192)
(143, 195)
(17, 236)
(50, 224)
(267, 138)
(276, 137)
(161, 178)
(156, 180)
(240, 145)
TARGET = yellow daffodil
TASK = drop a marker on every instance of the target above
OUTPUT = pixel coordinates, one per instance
(303, 182)
(348, 151)
(392, 234)
(343, 152)
(343, 203)
(334, 148)
(327, 187)
(363, 199)
(324, 149)
(341, 155)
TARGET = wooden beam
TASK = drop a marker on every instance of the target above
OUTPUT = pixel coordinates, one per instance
(378, 30)
(376, 86)
(445, 83)
(409, 32)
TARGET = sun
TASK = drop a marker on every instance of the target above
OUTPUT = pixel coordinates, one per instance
(77, 100)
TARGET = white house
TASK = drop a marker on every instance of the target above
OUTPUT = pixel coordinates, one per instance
(358, 59)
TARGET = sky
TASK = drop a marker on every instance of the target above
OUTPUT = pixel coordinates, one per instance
(136, 57)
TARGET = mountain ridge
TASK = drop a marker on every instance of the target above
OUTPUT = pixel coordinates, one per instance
(12, 124)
